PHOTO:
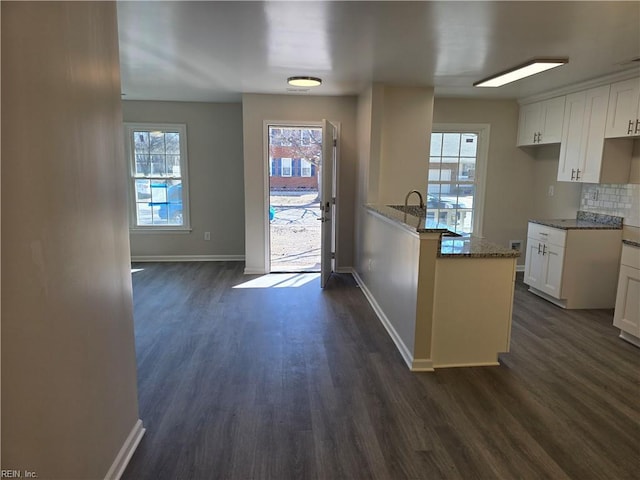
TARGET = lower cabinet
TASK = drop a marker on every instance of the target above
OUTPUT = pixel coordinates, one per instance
(627, 313)
(573, 268)
(543, 266)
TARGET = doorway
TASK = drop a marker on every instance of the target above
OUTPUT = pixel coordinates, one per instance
(295, 183)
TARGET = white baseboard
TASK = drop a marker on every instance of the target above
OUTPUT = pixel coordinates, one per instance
(421, 365)
(344, 270)
(254, 271)
(424, 365)
(187, 258)
(472, 364)
(126, 452)
(519, 268)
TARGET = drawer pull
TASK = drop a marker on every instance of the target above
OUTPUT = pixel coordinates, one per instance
(637, 126)
(538, 249)
(630, 129)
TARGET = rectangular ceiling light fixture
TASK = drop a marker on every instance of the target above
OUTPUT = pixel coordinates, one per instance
(521, 71)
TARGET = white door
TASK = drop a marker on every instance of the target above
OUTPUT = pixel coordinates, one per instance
(534, 263)
(327, 199)
(552, 270)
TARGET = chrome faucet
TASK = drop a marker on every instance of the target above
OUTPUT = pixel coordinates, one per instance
(406, 199)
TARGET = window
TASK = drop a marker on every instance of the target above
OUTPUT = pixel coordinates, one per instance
(158, 176)
(455, 188)
(285, 167)
(305, 167)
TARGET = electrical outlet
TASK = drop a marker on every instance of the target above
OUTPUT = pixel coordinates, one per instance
(207, 235)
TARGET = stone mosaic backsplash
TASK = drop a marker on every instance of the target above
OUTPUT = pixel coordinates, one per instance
(618, 200)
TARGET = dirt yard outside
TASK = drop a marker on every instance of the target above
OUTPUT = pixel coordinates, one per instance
(295, 232)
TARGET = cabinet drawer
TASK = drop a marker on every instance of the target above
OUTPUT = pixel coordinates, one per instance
(555, 236)
(630, 256)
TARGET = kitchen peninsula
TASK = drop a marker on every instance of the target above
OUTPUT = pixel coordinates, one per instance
(445, 300)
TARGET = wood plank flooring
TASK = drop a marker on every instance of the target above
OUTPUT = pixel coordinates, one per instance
(299, 383)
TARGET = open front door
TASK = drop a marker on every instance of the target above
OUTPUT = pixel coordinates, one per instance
(327, 199)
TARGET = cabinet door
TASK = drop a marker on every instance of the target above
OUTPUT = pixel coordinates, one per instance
(571, 136)
(594, 124)
(627, 313)
(529, 123)
(553, 262)
(551, 118)
(583, 135)
(624, 100)
(533, 263)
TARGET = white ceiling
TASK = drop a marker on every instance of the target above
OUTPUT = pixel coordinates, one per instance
(215, 51)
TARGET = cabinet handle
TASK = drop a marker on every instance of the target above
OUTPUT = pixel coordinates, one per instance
(637, 126)
(573, 173)
(578, 174)
(539, 249)
(539, 137)
(544, 249)
(630, 129)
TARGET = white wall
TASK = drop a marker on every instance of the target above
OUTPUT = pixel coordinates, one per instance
(405, 138)
(565, 201)
(260, 108)
(69, 395)
(216, 184)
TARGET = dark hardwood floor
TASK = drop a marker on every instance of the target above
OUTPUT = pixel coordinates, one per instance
(300, 383)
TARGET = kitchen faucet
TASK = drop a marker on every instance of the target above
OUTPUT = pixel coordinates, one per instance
(406, 199)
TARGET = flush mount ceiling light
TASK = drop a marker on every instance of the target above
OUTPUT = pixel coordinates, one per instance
(521, 71)
(304, 81)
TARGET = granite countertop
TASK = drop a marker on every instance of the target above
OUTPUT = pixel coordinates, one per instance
(584, 221)
(452, 244)
(474, 248)
(632, 243)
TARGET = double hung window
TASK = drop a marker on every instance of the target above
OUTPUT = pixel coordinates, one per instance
(455, 190)
(158, 182)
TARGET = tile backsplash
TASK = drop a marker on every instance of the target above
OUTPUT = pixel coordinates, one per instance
(618, 200)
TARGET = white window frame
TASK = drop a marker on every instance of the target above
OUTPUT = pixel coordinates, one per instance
(483, 130)
(305, 168)
(289, 161)
(181, 129)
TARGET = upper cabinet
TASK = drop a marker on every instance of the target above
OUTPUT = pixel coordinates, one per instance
(541, 122)
(623, 118)
(585, 156)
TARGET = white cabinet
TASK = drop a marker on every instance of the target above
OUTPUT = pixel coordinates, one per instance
(623, 118)
(627, 313)
(584, 154)
(541, 122)
(544, 260)
(573, 268)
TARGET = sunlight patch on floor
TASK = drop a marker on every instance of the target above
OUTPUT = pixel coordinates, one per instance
(280, 280)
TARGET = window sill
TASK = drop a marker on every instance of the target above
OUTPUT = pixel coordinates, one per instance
(160, 230)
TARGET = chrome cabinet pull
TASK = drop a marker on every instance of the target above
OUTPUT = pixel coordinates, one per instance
(538, 249)
(544, 249)
(637, 126)
(630, 129)
(578, 174)
(573, 173)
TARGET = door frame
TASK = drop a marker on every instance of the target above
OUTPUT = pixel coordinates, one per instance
(266, 183)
